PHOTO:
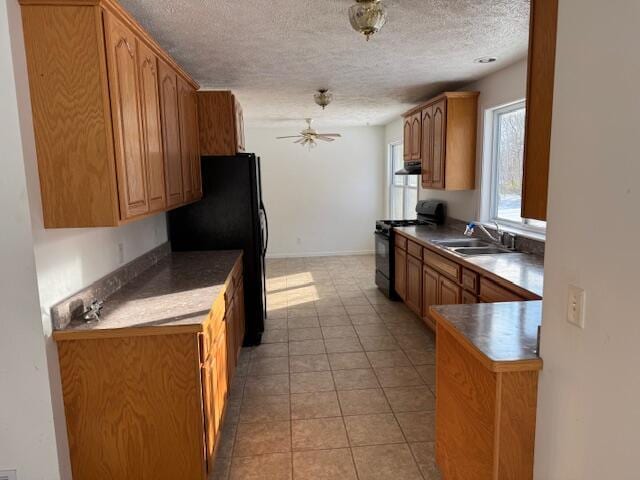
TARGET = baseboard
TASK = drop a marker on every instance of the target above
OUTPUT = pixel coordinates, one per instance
(319, 254)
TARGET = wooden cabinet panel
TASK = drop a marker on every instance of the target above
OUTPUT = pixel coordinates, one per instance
(470, 280)
(127, 121)
(439, 144)
(469, 298)
(443, 265)
(540, 78)
(414, 284)
(171, 134)
(427, 146)
(194, 146)
(430, 295)
(239, 126)
(124, 418)
(491, 292)
(221, 123)
(241, 315)
(416, 137)
(401, 242)
(401, 273)
(220, 353)
(184, 121)
(232, 338)
(414, 249)
(407, 139)
(150, 106)
(450, 293)
(209, 389)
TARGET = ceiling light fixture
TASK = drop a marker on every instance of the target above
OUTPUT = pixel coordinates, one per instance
(309, 136)
(323, 98)
(485, 60)
(368, 16)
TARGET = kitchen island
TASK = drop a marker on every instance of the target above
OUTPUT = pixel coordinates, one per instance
(486, 382)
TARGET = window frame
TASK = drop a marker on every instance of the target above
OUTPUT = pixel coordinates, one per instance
(404, 185)
(525, 225)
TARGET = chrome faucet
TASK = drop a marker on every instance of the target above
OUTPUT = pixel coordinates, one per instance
(471, 226)
(92, 314)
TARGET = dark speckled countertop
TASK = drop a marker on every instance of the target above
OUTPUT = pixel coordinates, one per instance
(178, 291)
(523, 270)
(505, 333)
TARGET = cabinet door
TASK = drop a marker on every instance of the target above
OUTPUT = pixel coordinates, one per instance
(400, 276)
(450, 293)
(439, 135)
(427, 146)
(209, 389)
(127, 121)
(414, 284)
(416, 137)
(220, 352)
(230, 320)
(196, 168)
(186, 156)
(469, 298)
(170, 134)
(430, 289)
(150, 106)
(240, 317)
(239, 121)
(407, 139)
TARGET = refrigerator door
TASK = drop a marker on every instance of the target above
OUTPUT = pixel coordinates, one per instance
(228, 218)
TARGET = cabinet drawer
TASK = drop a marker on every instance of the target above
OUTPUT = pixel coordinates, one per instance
(492, 292)
(443, 265)
(401, 242)
(470, 280)
(414, 249)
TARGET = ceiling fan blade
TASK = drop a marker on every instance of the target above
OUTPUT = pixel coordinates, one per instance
(300, 140)
(325, 139)
(291, 136)
(337, 135)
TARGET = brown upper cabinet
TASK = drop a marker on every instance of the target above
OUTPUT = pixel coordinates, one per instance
(441, 134)
(221, 123)
(105, 103)
(540, 77)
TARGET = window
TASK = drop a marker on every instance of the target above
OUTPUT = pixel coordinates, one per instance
(403, 189)
(507, 149)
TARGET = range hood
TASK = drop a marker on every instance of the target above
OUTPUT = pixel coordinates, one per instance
(410, 168)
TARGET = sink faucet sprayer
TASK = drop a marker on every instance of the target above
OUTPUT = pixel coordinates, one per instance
(468, 232)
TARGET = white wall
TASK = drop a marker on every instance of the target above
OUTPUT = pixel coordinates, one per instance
(589, 395)
(323, 201)
(27, 435)
(66, 260)
(502, 87)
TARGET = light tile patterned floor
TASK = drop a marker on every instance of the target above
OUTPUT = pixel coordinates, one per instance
(341, 388)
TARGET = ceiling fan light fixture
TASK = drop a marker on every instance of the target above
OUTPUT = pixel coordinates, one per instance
(368, 16)
(323, 98)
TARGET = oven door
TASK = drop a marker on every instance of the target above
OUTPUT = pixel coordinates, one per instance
(383, 255)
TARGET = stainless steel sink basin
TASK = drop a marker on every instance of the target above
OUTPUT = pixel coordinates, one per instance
(471, 251)
(463, 242)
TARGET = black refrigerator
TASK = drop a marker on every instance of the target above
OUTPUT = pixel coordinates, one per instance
(230, 216)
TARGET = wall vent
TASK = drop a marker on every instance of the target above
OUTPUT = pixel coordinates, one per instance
(8, 475)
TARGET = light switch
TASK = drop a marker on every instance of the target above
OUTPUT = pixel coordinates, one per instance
(575, 307)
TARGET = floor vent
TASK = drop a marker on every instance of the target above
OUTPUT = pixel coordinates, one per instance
(8, 475)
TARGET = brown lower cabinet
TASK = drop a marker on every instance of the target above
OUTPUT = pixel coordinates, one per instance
(435, 279)
(147, 402)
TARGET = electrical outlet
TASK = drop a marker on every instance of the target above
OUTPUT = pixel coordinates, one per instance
(8, 475)
(576, 306)
(120, 253)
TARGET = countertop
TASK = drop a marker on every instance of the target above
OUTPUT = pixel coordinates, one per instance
(177, 292)
(504, 334)
(523, 270)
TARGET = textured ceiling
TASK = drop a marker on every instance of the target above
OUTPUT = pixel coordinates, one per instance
(275, 53)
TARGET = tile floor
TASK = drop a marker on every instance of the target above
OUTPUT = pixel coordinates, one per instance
(341, 388)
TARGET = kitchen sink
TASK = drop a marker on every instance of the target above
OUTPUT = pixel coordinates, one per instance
(463, 242)
(489, 250)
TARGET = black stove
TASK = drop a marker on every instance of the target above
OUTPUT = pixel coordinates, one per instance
(430, 213)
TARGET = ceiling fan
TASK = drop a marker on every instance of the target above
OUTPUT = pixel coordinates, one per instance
(308, 136)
